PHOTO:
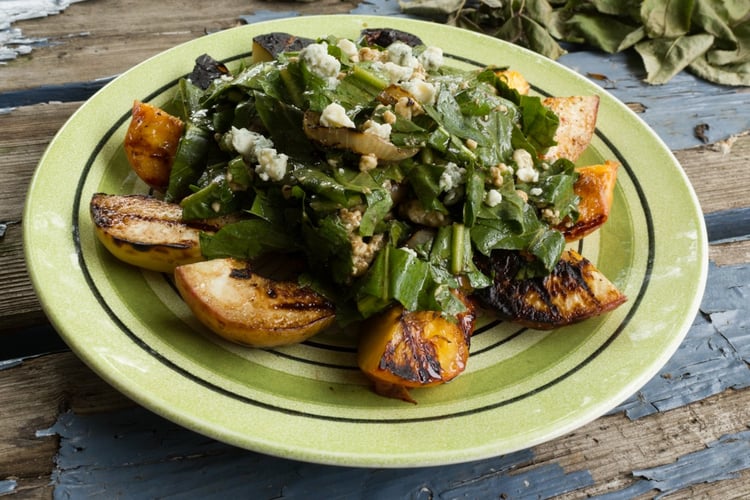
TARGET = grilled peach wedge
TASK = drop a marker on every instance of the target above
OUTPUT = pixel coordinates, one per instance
(575, 290)
(144, 231)
(151, 143)
(514, 80)
(402, 349)
(596, 188)
(238, 304)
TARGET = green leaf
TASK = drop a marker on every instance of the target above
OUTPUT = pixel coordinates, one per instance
(665, 57)
(539, 123)
(320, 183)
(284, 123)
(246, 239)
(425, 181)
(666, 18)
(328, 248)
(213, 200)
(548, 246)
(474, 195)
(397, 274)
(379, 203)
(557, 185)
(189, 161)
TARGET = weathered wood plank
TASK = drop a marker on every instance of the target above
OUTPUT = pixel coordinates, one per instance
(19, 305)
(608, 449)
(27, 132)
(599, 458)
(87, 41)
(729, 254)
(611, 448)
(32, 395)
(673, 110)
(719, 172)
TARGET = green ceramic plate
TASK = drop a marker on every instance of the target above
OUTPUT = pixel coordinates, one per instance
(309, 402)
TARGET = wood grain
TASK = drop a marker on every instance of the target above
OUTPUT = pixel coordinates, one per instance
(24, 452)
(710, 167)
(87, 41)
(610, 448)
(27, 131)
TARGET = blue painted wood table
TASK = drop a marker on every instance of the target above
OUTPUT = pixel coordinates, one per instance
(64, 433)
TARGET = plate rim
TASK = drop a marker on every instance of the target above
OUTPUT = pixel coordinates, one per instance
(182, 419)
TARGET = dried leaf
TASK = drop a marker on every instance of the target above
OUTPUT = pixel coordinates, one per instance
(700, 132)
(732, 74)
(624, 8)
(741, 54)
(709, 19)
(637, 107)
(606, 32)
(666, 19)
(539, 40)
(598, 76)
(665, 57)
(538, 10)
(431, 8)
(710, 37)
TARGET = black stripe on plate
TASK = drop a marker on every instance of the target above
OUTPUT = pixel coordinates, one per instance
(253, 402)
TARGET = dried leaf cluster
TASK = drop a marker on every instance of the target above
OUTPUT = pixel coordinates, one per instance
(710, 38)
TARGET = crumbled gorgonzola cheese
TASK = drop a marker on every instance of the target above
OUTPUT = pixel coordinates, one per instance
(421, 90)
(271, 164)
(402, 54)
(525, 171)
(382, 130)
(247, 143)
(316, 58)
(452, 177)
(493, 197)
(431, 58)
(349, 48)
(367, 162)
(334, 115)
(396, 73)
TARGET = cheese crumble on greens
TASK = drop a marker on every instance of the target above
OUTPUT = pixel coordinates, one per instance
(384, 167)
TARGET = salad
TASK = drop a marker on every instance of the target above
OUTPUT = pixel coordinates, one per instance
(365, 182)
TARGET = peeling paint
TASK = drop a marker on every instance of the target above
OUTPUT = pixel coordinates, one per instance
(723, 459)
(10, 363)
(715, 354)
(136, 454)
(12, 41)
(8, 486)
(379, 7)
